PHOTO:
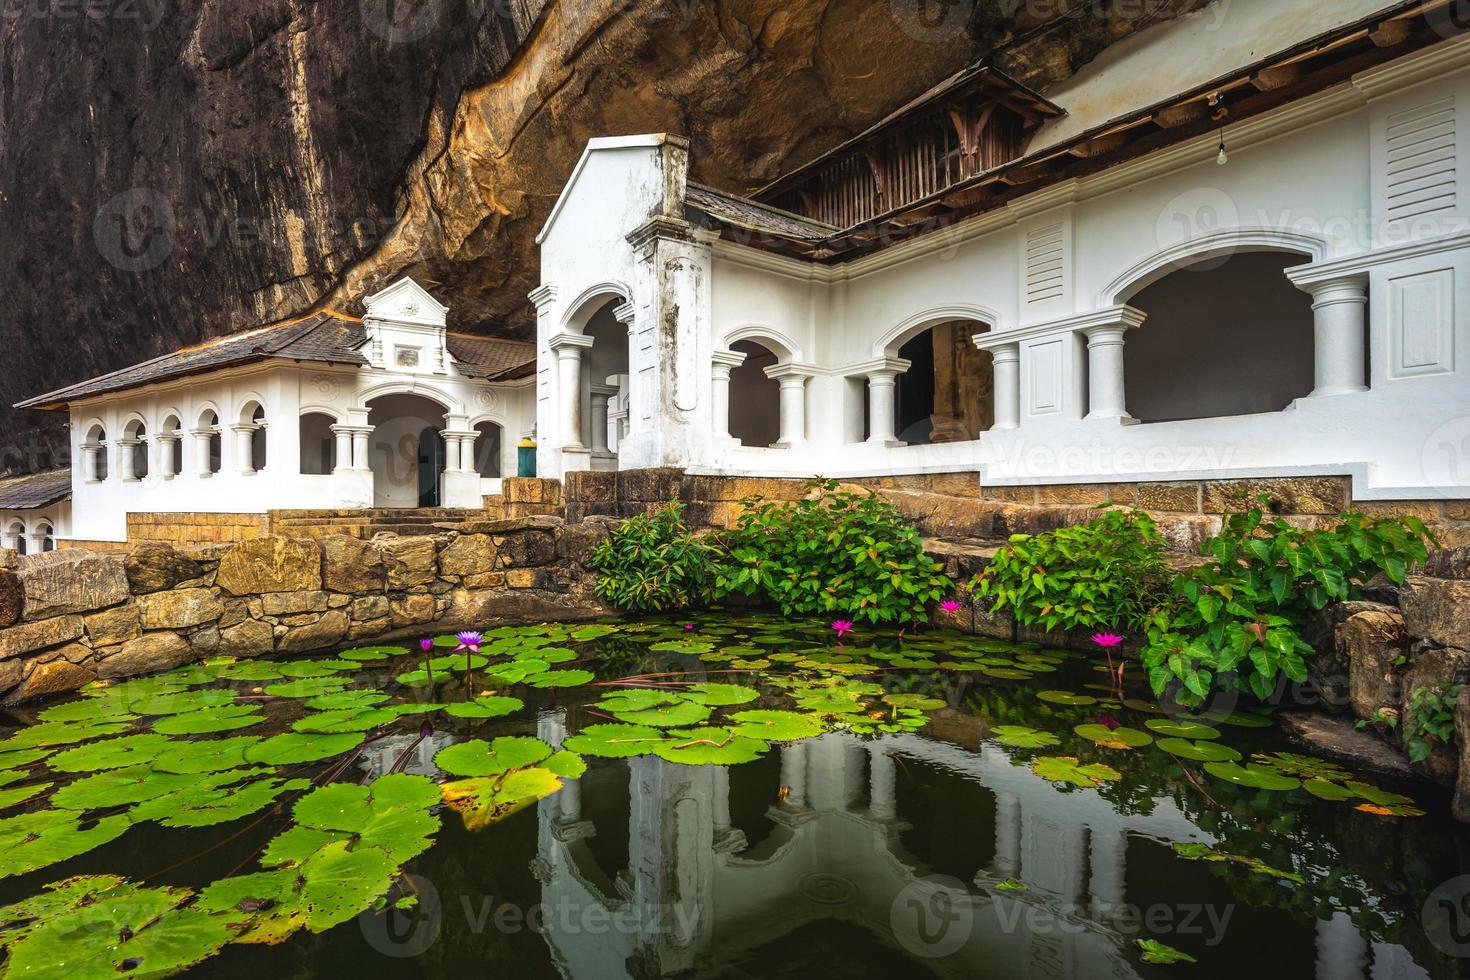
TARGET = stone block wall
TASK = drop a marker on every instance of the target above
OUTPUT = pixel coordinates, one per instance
(196, 528)
(67, 618)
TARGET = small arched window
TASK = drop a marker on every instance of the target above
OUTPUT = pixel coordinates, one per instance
(15, 535)
(94, 455)
(133, 465)
(209, 428)
(252, 427)
(488, 450)
(47, 536)
(171, 447)
(318, 444)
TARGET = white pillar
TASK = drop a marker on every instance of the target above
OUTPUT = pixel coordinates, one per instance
(793, 773)
(1007, 833)
(1342, 952)
(1109, 871)
(882, 782)
(8, 540)
(361, 460)
(1105, 385)
(35, 543)
(720, 808)
(167, 445)
(91, 459)
(244, 447)
(601, 395)
(126, 460)
(883, 402)
(793, 403)
(1339, 310)
(723, 362)
(1006, 362)
(342, 434)
(568, 348)
(467, 444)
(202, 438)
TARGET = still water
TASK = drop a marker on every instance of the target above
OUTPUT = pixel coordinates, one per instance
(933, 850)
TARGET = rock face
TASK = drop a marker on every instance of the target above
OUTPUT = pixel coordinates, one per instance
(62, 582)
(153, 567)
(191, 169)
(271, 565)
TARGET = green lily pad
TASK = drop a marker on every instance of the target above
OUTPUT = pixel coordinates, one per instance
(1121, 737)
(484, 800)
(1156, 952)
(1067, 769)
(113, 753)
(1065, 697)
(304, 669)
(1302, 766)
(91, 710)
(720, 695)
(1006, 673)
(614, 741)
(1331, 792)
(776, 726)
(1199, 751)
(477, 758)
(392, 813)
(54, 733)
(208, 803)
(306, 687)
(1251, 776)
(224, 718)
(366, 654)
(348, 720)
(22, 758)
(680, 714)
(180, 702)
(21, 794)
(343, 700)
(212, 755)
(36, 840)
(562, 678)
(1181, 729)
(1021, 737)
(517, 671)
(710, 746)
(293, 748)
(494, 706)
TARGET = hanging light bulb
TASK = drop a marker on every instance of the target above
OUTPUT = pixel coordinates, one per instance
(1222, 158)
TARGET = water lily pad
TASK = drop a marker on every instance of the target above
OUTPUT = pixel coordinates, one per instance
(680, 714)
(1021, 737)
(516, 671)
(1303, 766)
(482, 801)
(614, 741)
(1378, 796)
(224, 718)
(1156, 952)
(348, 720)
(91, 710)
(1121, 737)
(479, 758)
(118, 787)
(113, 753)
(315, 668)
(710, 746)
(494, 706)
(776, 726)
(308, 687)
(21, 794)
(208, 803)
(1181, 729)
(1065, 697)
(562, 678)
(248, 670)
(22, 757)
(342, 700)
(293, 748)
(720, 695)
(1331, 792)
(682, 646)
(180, 702)
(592, 631)
(393, 813)
(1199, 751)
(35, 840)
(1251, 776)
(367, 654)
(54, 733)
(1067, 769)
(20, 919)
(1006, 673)
(212, 755)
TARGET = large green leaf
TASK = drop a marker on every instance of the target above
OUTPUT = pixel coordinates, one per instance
(1021, 737)
(293, 748)
(776, 726)
(492, 706)
(479, 758)
(484, 800)
(1067, 769)
(113, 753)
(391, 813)
(35, 840)
(615, 741)
(1251, 776)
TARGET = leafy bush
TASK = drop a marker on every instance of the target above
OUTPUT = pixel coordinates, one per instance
(1107, 574)
(1233, 623)
(832, 552)
(653, 563)
(1431, 719)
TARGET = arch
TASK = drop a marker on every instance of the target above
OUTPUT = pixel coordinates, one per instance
(773, 340)
(318, 442)
(888, 345)
(45, 529)
(171, 444)
(755, 397)
(590, 301)
(250, 407)
(1195, 251)
(208, 425)
(336, 415)
(407, 453)
(489, 449)
(1222, 338)
(253, 427)
(411, 386)
(94, 453)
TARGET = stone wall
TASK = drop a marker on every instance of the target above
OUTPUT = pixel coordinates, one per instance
(69, 617)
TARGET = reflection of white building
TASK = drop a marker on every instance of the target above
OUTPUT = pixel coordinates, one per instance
(34, 511)
(696, 889)
(328, 412)
(1051, 287)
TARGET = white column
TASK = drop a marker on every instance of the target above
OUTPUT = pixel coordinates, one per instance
(883, 402)
(167, 445)
(793, 403)
(126, 470)
(361, 460)
(1007, 833)
(11, 541)
(1105, 386)
(568, 348)
(35, 542)
(882, 801)
(722, 363)
(244, 447)
(1006, 362)
(1342, 952)
(342, 434)
(1109, 871)
(90, 463)
(467, 444)
(793, 773)
(1339, 310)
(601, 395)
(201, 452)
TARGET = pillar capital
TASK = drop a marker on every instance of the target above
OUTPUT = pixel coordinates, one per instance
(625, 313)
(569, 344)
(792, 371)
(543, 295)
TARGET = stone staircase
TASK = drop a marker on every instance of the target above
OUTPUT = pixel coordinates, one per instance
(366, 523)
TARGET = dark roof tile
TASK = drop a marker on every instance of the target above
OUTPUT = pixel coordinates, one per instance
(35, 490)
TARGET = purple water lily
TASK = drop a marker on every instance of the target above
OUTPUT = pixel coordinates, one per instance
(469, 640)
(1107, 641)
(842, 628)
(950, 606)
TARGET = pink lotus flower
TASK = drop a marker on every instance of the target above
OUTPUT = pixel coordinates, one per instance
(950, 606)
(426, 644)
(1107, 639)
(1108, 722)
(469, 640)
(688, 627)
(842, 626)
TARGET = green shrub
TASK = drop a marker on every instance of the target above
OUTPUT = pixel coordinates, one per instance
(1234, 622)
(1431, 719)
(1107, 574)
(833, 552)
(653, 563)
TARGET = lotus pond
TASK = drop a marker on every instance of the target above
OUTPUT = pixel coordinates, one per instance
(732, 796)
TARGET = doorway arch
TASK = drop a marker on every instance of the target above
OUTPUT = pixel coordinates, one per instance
(407, 453)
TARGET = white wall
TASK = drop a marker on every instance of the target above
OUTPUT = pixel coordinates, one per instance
(26, 529)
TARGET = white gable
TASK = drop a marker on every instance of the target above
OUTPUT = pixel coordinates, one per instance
(405, 330)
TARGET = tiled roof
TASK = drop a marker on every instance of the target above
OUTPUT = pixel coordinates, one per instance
(753, 216)
(35, 490)
(327, 338)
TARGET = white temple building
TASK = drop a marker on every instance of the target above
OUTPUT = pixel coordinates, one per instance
(1050, 288)
(329, 412)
